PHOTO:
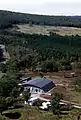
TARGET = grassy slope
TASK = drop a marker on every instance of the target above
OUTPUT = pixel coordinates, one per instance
(33, 113)
(46, 29)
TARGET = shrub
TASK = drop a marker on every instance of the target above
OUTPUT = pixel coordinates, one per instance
(26, 95)
(77, 84)
(55, 103)
(49, 66)
(38, 103)
(2, 118)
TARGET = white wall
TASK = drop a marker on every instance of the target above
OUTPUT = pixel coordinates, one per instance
(34, 89)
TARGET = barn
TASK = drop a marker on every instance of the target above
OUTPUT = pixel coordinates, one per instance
(38, 85)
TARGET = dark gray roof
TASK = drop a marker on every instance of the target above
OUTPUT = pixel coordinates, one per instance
(43, 83)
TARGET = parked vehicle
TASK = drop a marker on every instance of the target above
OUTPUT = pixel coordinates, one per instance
(45, 106)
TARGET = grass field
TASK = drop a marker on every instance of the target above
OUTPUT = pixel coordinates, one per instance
(44, 30)
(33, 113)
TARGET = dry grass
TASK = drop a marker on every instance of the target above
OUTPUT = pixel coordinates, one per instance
(36, 29)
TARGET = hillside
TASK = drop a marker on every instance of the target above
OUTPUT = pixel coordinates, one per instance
(8, 18)
(39, 46)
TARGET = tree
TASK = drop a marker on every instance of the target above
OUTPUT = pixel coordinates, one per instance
(55, 103)
(26, 95)
(49, 66)
(77, 85)
(2, 104)
(15, 92)
(9, 101)
(41, 75)
(7, 83)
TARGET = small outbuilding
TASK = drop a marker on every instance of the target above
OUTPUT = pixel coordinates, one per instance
(38, 85)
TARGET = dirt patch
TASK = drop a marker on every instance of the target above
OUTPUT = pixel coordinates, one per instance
(63, 91)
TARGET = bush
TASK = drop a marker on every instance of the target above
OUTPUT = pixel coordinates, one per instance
(26, 95)
(77, 84)
(68, 67)
(49, 66)
(41, 75)
(2, 118)
(55, 103)
(38, 103)
(65, 107)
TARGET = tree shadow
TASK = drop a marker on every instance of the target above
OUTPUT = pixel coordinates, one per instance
(15, 115)
(18, 106)
(64, 113)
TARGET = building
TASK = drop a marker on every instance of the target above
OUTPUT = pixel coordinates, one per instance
(38, 85)
(23, 79)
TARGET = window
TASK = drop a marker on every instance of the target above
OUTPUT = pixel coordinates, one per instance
(36, 90)
(27, 89)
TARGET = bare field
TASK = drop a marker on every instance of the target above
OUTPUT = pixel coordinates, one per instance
(65, 86)
(45, 30)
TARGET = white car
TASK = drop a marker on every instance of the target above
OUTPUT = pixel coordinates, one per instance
(45, 105)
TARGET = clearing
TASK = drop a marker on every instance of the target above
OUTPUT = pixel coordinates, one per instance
(45, 30)
(64, 85)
